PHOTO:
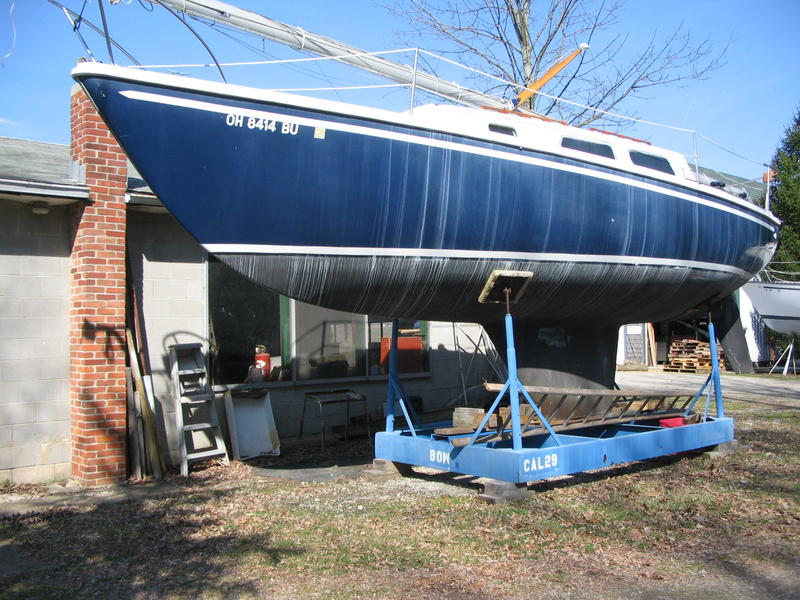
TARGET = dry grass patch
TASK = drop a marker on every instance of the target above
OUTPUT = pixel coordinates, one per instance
(678, 527)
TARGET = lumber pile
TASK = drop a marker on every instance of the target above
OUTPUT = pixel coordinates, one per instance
(688, 355)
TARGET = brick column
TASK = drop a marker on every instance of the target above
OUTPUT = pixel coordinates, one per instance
(97, 302)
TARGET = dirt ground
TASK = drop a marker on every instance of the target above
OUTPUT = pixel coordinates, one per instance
(680, 527)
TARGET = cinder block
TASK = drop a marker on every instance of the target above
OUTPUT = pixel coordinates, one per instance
(55, 369)
(10, 308)
(20, 370)
(6, 458)
(20, 328)
(20, 286)
(9, 392)
(13, 414)
(186, 308)
(170, 289)
(42, 433)
(55, 453)
(62, 470)
(58, 346)
(20, 349)
(26, 456)
(197, 290)
(46, 308)
(157, 307)
(55, 287)
(52, 411)
(38, 390)
(36, 474)
(46, 266)
(9, 265)
(500, 492)
(193, 272)
(6, 436)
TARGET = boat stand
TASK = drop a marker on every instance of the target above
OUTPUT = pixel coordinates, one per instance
(546, 432)
(787, 354)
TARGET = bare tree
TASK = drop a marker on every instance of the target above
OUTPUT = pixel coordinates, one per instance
(518, 40)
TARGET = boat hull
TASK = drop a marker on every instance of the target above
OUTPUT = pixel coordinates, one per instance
(384, 218)
(394, 216)
(777, 303)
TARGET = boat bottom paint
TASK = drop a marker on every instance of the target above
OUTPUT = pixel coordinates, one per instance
(567, 318)
(569, 292)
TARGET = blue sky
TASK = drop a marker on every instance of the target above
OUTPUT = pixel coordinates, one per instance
(744, 106)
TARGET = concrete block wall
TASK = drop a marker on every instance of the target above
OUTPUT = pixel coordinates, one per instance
(169, 271)
(34, 343)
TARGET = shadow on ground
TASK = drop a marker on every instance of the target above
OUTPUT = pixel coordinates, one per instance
(164, 548)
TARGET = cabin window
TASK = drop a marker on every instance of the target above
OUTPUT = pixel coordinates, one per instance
(586, 146)
(651, 161)
(495, 128)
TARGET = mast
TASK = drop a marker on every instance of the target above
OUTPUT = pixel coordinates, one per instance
(300, 39)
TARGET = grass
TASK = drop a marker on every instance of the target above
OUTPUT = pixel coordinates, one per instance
(684, 527)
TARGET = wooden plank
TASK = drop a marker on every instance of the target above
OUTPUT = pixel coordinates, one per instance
(558, 427)
(150, 437)
(651, 342)
(453, 431)
(497, 387)
(133, 429)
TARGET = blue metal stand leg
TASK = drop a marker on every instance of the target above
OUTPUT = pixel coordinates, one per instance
(713, 379)
(396, 392)
(514, 387)
(519, 456)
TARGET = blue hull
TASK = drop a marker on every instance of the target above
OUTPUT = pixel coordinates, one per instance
(376, 217)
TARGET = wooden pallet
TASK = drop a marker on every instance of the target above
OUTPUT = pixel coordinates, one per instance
(687, 355)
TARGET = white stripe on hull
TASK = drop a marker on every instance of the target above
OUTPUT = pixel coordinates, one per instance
(471, 254)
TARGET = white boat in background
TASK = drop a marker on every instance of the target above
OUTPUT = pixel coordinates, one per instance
(778, 304)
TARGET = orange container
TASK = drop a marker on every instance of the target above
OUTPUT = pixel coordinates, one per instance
(409, 354)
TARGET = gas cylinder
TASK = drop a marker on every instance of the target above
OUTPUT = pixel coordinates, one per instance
(263, 362)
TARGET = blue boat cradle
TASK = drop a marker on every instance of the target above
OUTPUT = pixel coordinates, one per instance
(581, 430)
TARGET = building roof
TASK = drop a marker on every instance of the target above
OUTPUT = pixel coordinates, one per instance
(38, 171)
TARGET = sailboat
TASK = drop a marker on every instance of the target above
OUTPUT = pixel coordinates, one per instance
(777, 301)
(408, 214)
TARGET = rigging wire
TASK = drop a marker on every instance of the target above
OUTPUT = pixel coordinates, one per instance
(197, 35)
(230, 32)
(80, 20)
(13, 31)
(76, 25)
(721, 147)
(105, 31)
(322, 76)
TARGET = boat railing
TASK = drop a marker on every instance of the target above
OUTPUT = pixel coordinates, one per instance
(781, 272)
(417, 63)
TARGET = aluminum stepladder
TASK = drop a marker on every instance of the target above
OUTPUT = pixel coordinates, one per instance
(199, 433)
